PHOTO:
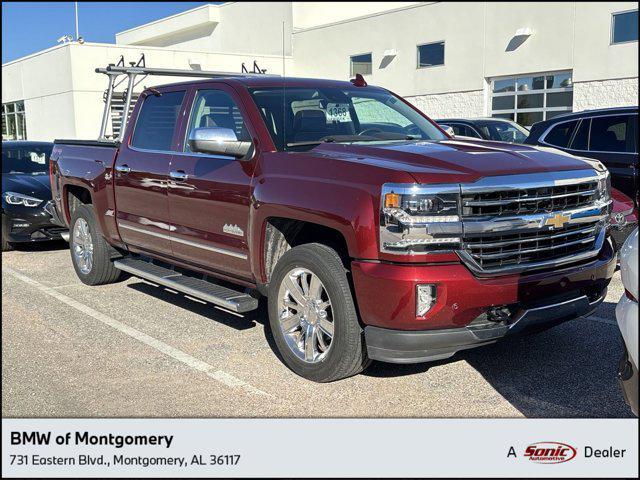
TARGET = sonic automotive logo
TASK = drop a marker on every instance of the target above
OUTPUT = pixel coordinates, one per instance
(550, 452)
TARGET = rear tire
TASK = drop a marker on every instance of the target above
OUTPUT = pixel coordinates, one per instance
(90, 253)
(315, 268)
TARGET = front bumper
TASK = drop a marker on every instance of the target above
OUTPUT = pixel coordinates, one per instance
(24, 224)
(386, 292)
(398, 346)
(460, 318)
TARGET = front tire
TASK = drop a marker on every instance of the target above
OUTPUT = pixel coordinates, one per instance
(313, 317)
(90, 253)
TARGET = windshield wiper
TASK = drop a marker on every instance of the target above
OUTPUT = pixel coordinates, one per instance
(354, 138)
(337, 139)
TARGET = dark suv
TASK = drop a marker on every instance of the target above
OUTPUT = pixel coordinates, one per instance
(609, 135)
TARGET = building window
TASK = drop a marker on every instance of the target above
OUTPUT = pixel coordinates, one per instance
(533, 98)
(624, 27)
(361, 64)
(431, 54)
(14, 126)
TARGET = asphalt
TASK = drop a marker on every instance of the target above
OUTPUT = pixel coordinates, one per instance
(133, 349)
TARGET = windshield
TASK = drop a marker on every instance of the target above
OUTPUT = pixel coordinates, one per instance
(503, 131)
(299, 117)
(28, 158)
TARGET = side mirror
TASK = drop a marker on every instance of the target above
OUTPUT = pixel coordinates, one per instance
(217, 141)
(448, 129)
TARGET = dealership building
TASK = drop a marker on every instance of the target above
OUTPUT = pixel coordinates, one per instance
(525, 61)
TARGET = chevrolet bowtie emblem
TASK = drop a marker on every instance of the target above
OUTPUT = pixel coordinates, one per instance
(557, 221)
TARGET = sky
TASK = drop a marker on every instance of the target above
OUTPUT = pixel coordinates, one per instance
(28, 27)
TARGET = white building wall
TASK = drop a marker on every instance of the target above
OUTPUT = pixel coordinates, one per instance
(605, 94)
(233, 27)
(313, 14)
(324, 51)
(44, 81)
(63, 94)
(451, 105)
(479, 45)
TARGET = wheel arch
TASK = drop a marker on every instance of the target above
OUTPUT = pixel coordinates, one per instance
(280, 234)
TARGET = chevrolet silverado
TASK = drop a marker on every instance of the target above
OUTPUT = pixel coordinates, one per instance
(372, 233)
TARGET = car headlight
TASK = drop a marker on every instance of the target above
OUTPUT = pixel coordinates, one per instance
(13, 198)
(420, 219)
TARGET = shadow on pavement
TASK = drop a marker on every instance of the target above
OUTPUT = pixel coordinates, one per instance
(204, 309)
(207, 310)
(567, 371)
(40, 246)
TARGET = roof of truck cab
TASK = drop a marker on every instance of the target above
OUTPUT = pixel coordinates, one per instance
(266, 81)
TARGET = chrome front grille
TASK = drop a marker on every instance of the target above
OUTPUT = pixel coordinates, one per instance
(518, 201)
(525, 222)
(499, 251)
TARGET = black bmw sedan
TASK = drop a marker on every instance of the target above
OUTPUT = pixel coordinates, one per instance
(27, 209)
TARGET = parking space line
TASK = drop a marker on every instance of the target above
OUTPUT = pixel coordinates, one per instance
(218, 375)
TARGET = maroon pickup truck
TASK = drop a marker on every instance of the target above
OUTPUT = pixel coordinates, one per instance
(374, 235)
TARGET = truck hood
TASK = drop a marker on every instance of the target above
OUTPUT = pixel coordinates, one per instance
(454, 160)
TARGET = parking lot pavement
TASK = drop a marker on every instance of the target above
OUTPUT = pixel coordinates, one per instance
(133, 349)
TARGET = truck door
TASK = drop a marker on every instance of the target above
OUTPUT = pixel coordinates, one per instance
(209, 195)
(141, 174)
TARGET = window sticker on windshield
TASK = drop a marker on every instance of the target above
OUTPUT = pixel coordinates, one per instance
(338, 112)
(38, 158)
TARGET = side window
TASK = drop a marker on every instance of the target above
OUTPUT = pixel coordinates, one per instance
(470, 132)
(609, 134)
(560, 135)
(458, 129)
(156, 121)
(215, 108)
(581, 138)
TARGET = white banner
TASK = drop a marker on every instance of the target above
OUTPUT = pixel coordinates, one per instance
(320, 448)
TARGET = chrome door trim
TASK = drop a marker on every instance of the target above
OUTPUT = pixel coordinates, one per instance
(183, 241)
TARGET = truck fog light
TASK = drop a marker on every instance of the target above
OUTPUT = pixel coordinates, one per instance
(425, 299)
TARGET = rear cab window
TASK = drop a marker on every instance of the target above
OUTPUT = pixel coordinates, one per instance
(156, 121)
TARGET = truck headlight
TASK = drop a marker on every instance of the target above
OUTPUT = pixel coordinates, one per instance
(419, 219)
(13, 198)
(604, 185)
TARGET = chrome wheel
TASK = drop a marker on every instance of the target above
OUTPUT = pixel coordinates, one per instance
(82, 246)
(305, 315)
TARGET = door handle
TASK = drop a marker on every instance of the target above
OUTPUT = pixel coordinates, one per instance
(123, 168)
(178, 175)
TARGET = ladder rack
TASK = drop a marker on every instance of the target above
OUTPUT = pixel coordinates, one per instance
(113, 71)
